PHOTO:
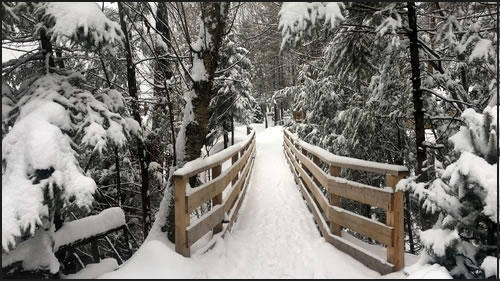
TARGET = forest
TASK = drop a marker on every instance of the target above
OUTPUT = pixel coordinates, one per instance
(102, 102)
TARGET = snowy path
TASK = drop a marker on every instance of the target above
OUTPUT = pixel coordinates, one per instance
(274, 237)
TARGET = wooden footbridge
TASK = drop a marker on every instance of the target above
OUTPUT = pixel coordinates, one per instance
(322, 191)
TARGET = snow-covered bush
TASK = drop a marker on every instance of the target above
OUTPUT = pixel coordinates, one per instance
(82, 22)
(58, 121)
(465, 196)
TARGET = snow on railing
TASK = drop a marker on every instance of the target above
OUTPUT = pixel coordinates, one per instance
(188, 199)
(74, 231)
(327, 212)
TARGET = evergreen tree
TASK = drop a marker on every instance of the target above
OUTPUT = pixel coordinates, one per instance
(465, 197)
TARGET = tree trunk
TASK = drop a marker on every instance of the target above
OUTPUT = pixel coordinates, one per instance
(47, 50)
(226, 139)
(194, 128)
(265, 116)
(232, 129)
(196, 113)
(141, 151)
(163, 71)
(418, 102)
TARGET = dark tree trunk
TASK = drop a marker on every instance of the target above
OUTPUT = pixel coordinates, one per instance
(141, 151)
(163, 72)
(232, 129)
(418, 102)
(226, 139)
(265, 115)
(47, 49)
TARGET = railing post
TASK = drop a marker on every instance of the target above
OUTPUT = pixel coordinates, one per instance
(217, 200)
(304, 152)
(233, 160)
(181, 217)
(335, 229)
(395, 218)
(316, 161)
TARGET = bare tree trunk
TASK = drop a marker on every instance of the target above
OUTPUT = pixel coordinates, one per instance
(164, 68)
(418, 102)
(141, 151)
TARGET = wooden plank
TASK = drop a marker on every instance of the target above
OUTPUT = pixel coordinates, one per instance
(347, 162)
(335, 200)
(316, 161)
(181, 217)
(314, 189)
(229, 202)
(209, 190)
(395, 218)
(204, 224)
(321, 176)
(234, 160)
(365, 226)
(312, 207)
(234, 215)
(360, 255)
(217, 200)
(187, 173)
(360, 192)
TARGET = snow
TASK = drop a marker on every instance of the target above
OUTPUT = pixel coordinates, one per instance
(35, 253)
(275, 235)
(36, 142)
(489, 266)
(89, 226)
(437, 239)
(198, 71)
(211, 160)
(434, 271)
(296, 18)
(71, 18)
(332, 158)
(93, 270)
(482, 48)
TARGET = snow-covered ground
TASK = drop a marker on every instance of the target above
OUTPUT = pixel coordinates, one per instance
(274, 237)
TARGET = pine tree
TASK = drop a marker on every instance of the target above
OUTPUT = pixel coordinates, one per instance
(464, 196)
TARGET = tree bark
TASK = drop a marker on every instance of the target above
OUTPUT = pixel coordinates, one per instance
(47, 50)
(232, 129)
(141, 151)
(214, 22)
(418, 103)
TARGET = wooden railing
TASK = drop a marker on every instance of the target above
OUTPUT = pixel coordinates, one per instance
(188, 199)
(327, 212)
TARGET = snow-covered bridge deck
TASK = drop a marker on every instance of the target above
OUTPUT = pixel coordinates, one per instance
(275, 235)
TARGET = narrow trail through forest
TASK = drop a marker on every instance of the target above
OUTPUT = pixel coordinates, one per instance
(274, 237)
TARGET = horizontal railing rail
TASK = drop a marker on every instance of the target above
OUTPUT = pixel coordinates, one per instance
(188, 199)
(331, 217)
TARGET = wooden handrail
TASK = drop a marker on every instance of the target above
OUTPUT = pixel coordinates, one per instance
(348, 162)
(188, 199)
(202, 164)
(311, 178)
